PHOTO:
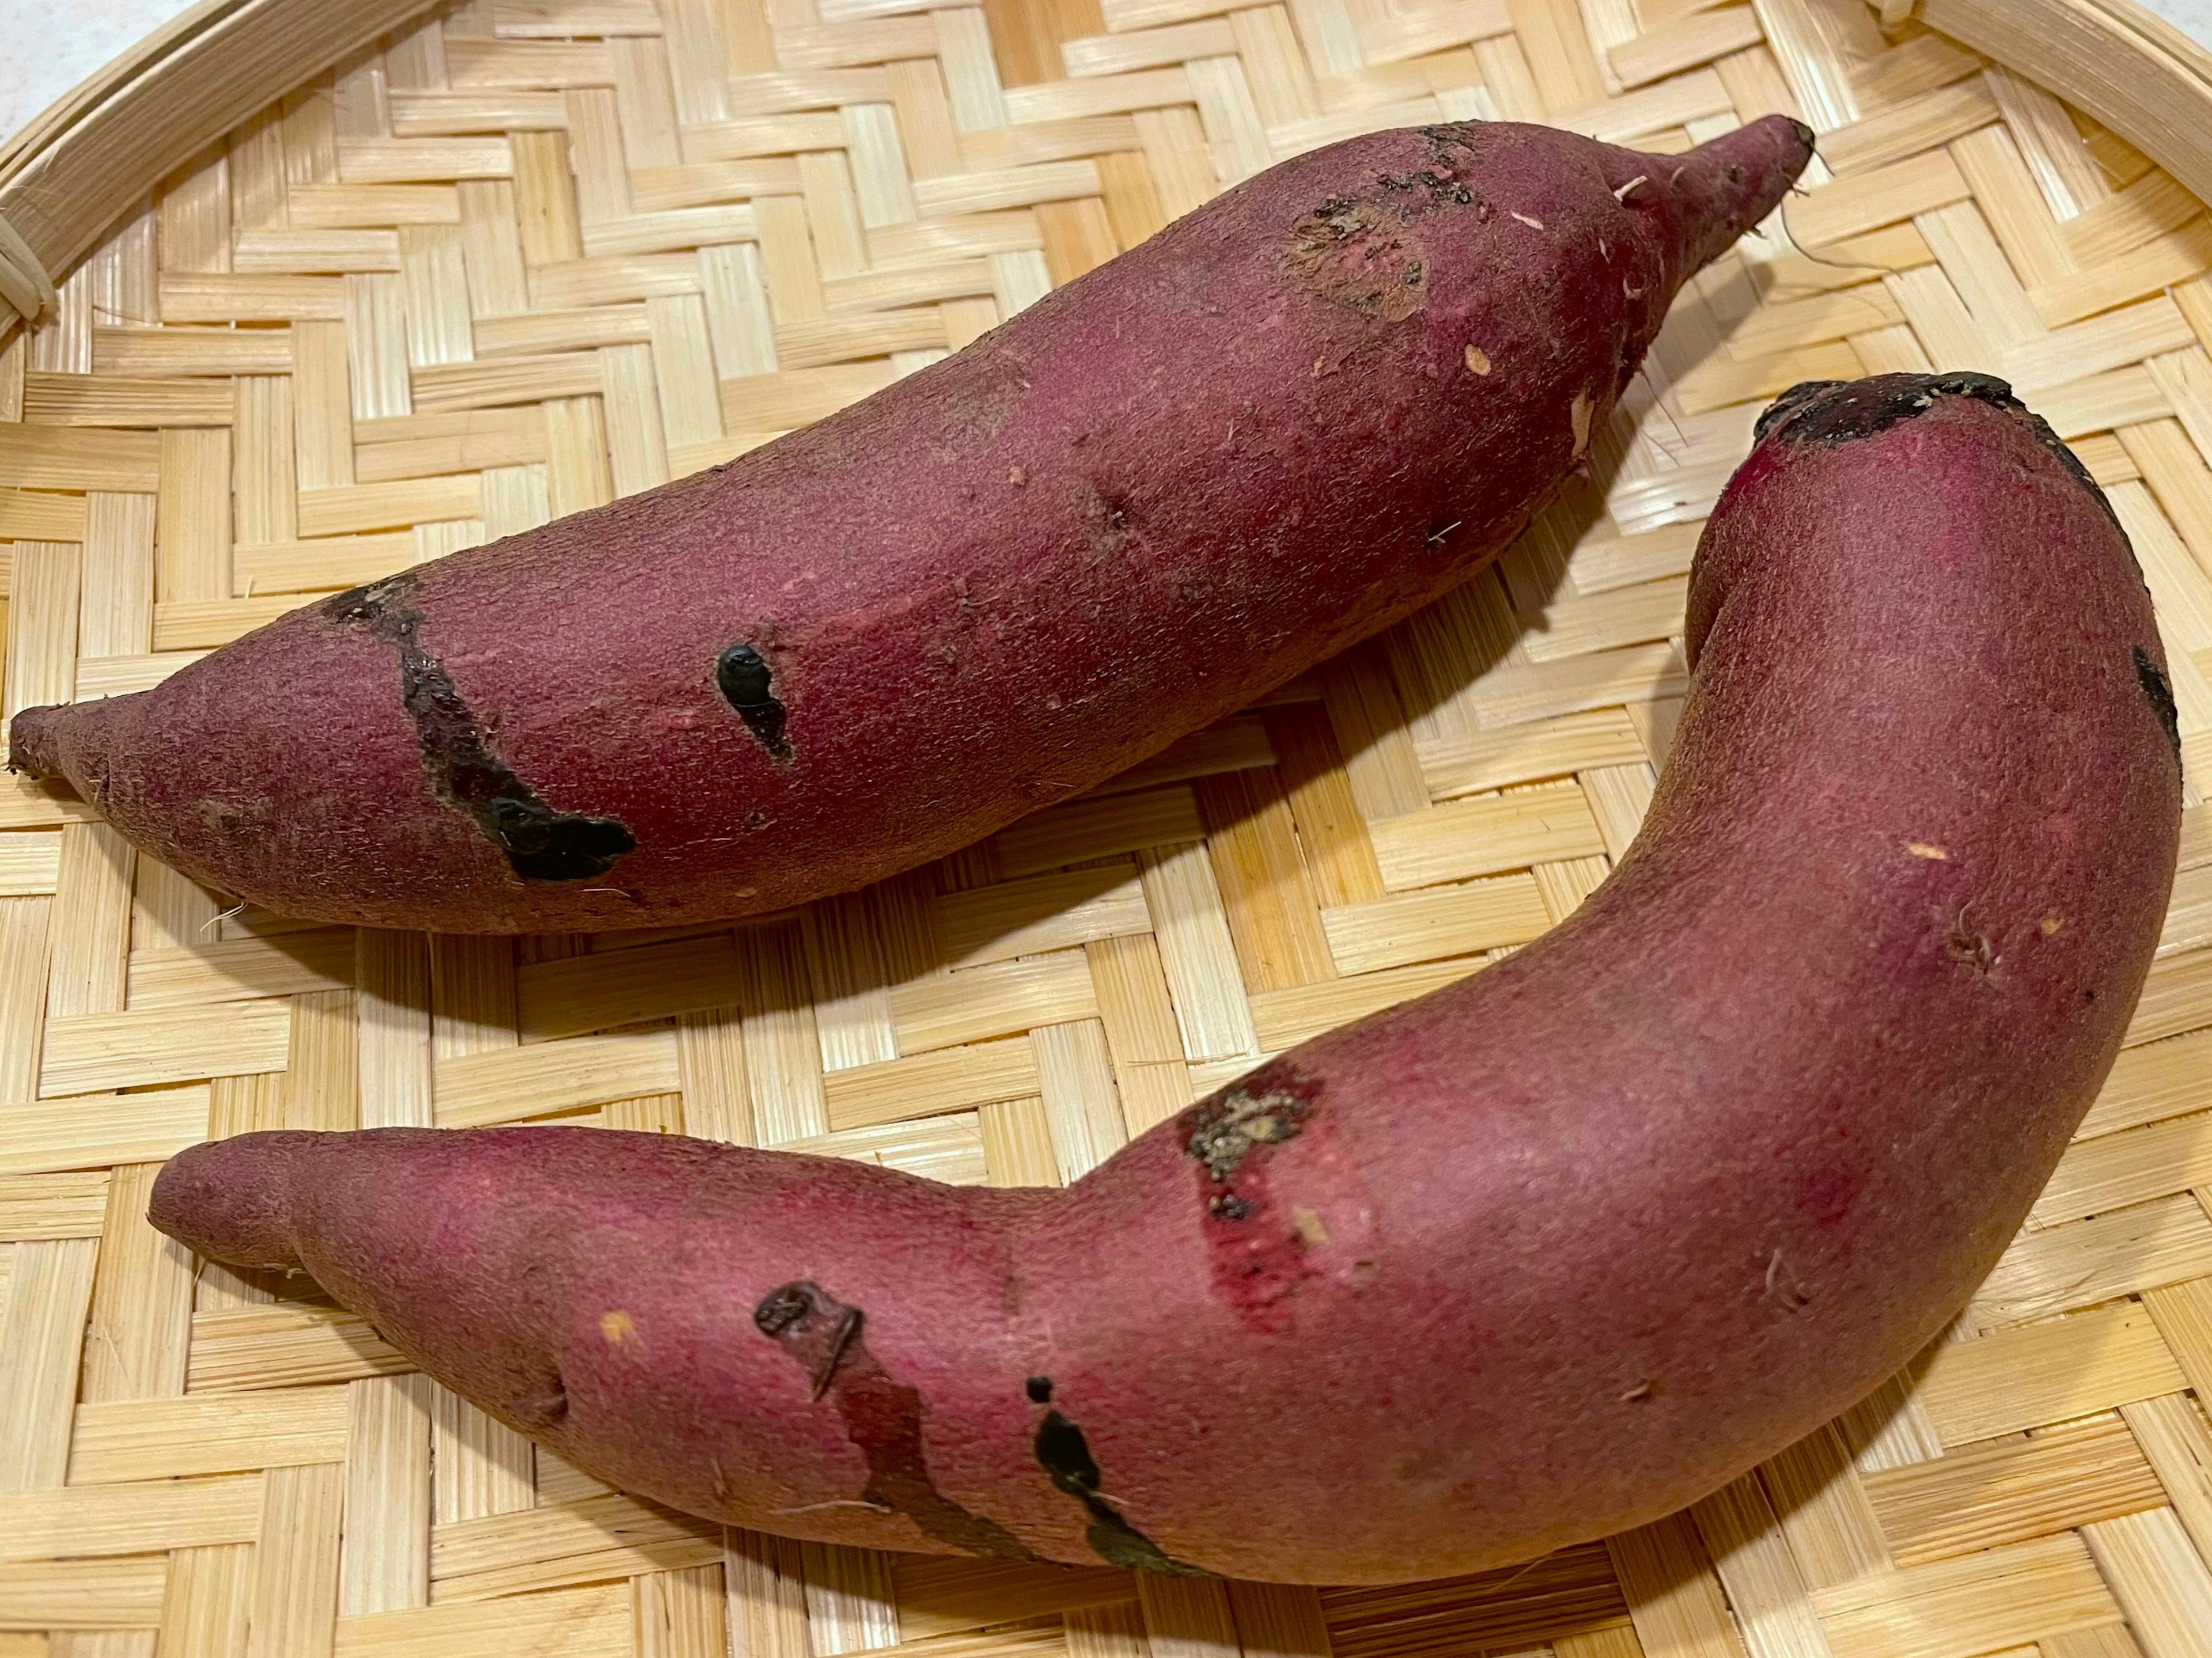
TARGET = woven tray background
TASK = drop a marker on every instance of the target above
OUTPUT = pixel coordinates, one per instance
(539, 252)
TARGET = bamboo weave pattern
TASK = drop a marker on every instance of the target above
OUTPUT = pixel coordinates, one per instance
(534, 254)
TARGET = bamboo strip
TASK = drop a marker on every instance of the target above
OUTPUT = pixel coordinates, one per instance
(49, 1293)
(99, 1130)
(846, 965)
(2046, 1373)
(1754, 1564)
(2159, 1579)
(943, 1081)
(580, 993)
(1824, 1511)
(1881, 196)
(30, 864)
(2083, 1263)
(1197, 952)
(2013, 1491)
(1466, 838)
(594, 1621)
(54, 1205)
(1907, 129)
(77, 1597)
(281, 1344)
(849, 1606)
(1570, 1594)
(141, 1303)
(2100, 1174)
(1283, 1018)
(2183, 1314)
(1997, 1599)
(206, 1608)
(1673, 1594)
(1000, 999)
(550, 1548)
(2177, 1443)
(296, 1563)
(1436, 923)
(1085, 830)
(479, 1467)
(496, 1085)
(206, 1434)
(384, 1559)
(2147, 1083)
(93, 1520)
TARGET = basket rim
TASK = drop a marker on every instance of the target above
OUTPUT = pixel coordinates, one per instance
(82, 164)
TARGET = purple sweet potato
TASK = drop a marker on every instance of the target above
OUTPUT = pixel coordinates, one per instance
(1546, 1253)
(1286, 421)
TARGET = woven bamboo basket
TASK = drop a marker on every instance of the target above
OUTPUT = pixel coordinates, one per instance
(345, 287)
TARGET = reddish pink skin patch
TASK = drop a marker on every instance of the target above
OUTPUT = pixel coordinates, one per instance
(1290, 1211)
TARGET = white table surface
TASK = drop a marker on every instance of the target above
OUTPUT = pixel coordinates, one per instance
(75, 37)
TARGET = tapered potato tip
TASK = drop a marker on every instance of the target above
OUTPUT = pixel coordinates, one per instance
(35, 741)
(231, 1199)
(1724, 187)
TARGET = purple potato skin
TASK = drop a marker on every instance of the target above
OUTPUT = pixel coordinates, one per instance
(1288, 419)
(1542, 1255)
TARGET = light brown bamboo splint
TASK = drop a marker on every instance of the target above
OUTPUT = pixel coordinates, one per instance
(519, 256)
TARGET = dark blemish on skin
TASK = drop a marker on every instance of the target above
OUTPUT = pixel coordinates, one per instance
(1039, 1389)
(1260, 1235)
(742, 674)
(1784, 1287)
(847, 1332)
(1341, 253)
(883, 1417)
(1107, 521)
(1065, 1455)
(1225, 1128)
(546, 1410)
(222, 817)
(1970, 949)
(1833, 412)
(1436, 188)
(2160, 690)
(541, 843)
(1359, 252)
(1788, 404)
(1452, 135)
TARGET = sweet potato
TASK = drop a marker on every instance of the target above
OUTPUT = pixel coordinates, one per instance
(1288, 419)
(1543, 1254)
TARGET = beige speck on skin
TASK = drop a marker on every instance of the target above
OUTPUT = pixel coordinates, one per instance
(1311, 1227)
(2050, 924)
(1532, 223)
(1580, 414)
(1478, 360)
(1926, 849)
(618, 1327)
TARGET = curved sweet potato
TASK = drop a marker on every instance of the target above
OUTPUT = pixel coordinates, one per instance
(1288, 419)
(1546, 1253)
